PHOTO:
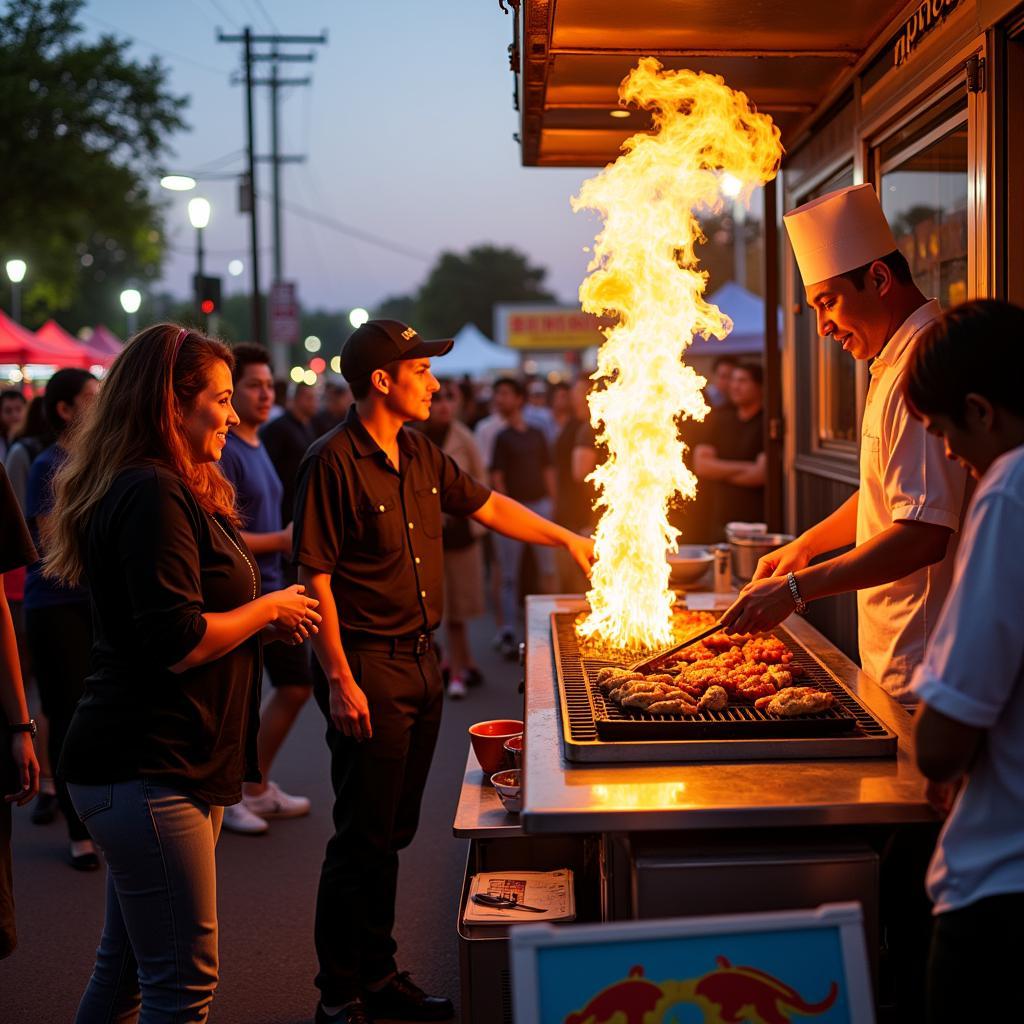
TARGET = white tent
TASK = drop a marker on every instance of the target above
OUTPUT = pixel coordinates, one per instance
(475, 355)
(747, 312)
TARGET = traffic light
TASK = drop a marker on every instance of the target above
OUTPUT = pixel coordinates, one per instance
(207, 291)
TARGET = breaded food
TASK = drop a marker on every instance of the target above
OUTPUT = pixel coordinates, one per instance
(673, 706)
(645, 700)
(781, 677)
(715, 699)
(609, 678)
(799, 700)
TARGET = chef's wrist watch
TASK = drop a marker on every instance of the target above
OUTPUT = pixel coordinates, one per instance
(29, 727)
(801, 604)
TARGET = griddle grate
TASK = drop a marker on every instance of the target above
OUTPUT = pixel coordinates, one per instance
(591, 718)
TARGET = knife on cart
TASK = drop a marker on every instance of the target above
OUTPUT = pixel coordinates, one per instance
(653, 660)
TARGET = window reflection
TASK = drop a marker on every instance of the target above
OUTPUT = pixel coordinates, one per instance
(925, 198)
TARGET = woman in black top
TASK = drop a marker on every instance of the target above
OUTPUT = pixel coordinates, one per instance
(19, 770)
(166, 730)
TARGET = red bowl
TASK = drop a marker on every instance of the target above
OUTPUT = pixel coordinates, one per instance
(514, 751)
(488, 739)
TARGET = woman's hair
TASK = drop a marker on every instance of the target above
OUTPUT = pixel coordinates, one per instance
(974, 348)
(64, 386)
(136, 420)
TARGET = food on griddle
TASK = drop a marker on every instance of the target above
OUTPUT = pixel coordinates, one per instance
(673, 706)
(797, 700)
(756, 669)
(609, 678)
(645, 699)
(715, 699)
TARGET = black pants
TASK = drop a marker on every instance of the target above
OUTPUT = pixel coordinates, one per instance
(378, 786)
(973, 970)
(60, 640)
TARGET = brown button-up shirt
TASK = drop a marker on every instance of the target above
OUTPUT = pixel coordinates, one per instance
(377, 529)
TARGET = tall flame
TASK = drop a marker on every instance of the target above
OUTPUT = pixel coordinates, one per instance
(645, 271)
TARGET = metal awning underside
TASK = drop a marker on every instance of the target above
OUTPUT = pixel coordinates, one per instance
(570, 55)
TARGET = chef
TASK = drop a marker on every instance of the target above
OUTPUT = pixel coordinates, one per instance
(905, 513)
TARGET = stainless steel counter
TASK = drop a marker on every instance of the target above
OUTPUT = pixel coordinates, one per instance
(561, 797)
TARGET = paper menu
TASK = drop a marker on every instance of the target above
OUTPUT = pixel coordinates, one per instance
(552, 890)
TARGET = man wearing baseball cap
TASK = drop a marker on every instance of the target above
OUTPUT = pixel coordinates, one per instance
(911, 497)
(367, 540)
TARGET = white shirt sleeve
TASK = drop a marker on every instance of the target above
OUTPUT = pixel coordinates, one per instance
(975, 655)
(920, 483)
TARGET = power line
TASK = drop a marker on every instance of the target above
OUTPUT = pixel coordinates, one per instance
(318, 217)
(135, 38)
(266, 15)
(224, 14)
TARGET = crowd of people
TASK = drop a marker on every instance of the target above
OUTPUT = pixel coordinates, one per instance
(221, 536)
(224, 536)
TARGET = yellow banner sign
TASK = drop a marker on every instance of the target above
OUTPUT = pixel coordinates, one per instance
(548, 327)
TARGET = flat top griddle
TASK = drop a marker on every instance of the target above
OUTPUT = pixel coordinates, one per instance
(596, 729)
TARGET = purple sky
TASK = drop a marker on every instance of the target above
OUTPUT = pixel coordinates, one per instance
(407, 128)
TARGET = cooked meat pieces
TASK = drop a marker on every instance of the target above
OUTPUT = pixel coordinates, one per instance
(638, 686)
(715, 699)
(645, 700)
(781, 677)
(609, 678)
(753, 687)
(769, 649)
(799, 700)
(673, 706)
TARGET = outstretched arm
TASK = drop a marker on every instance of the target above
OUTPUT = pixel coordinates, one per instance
(507, 516)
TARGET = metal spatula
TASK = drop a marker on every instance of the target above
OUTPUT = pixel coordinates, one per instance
(654, 660)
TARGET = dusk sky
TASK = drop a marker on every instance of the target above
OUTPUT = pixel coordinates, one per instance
(407, 129)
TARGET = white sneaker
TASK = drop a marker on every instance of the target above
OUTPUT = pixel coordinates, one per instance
(274, 802)
(238, 818)
(456, 688)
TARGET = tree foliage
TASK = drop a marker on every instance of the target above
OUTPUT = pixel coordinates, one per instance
(82, 127)
(464, 289)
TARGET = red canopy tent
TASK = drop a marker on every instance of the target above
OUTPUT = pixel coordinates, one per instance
(19, 345)
(51, 333)
(104, 338)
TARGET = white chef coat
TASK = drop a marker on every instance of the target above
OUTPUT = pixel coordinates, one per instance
(904, 476)
(974, 673)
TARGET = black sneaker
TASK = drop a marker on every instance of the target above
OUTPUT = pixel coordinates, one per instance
(351, 1013)
(401, 999)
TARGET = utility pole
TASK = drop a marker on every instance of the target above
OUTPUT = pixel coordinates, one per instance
(275, 83)
(248, 40)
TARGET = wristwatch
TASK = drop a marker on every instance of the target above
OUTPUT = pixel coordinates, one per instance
(29, 727)
(794, 590)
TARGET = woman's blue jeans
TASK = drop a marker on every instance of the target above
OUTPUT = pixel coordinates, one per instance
(157, 958)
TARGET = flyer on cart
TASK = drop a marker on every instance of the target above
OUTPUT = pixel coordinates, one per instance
(509, 897)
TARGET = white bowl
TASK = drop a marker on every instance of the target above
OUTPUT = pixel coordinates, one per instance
(509, 787)
(688, 564)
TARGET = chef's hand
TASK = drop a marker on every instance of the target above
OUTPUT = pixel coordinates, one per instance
(350, 711)
(941, 795)
(581, 549)
(26, 766)
(791, 557)
(761, 606)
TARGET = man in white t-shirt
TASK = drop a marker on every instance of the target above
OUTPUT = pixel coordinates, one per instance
(964, 383)
(910, 500)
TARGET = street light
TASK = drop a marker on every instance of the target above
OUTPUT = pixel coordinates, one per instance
(358, 317)
(178, 182)
(131, 299)
(199, 216)
(16, 272)
(235, 268)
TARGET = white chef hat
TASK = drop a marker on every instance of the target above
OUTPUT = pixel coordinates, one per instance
(838, 232)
